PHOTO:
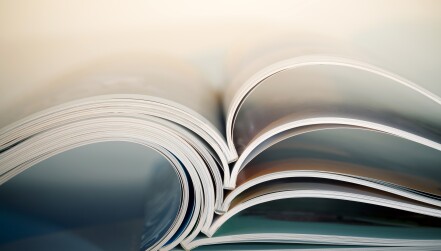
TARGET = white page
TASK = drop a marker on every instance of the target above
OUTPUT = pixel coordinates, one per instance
(353, 152)
(335, 91)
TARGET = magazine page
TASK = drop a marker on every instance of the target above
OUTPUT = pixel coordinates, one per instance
(315, 210)
(335, 91)
(126, 186)
(364, 44)
(325, 221)
(349, 151)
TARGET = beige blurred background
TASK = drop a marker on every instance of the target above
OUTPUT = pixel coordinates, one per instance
(42, 40)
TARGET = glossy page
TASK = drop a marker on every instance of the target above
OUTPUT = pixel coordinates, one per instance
(103, 196)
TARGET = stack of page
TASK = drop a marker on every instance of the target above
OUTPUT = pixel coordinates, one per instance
(316, 147)
(238, 125)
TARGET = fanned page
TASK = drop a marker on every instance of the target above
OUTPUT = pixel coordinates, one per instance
(319, 110)
(322, 135)
(148, 100)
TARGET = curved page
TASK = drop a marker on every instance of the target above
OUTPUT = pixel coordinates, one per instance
(349, 151)
(339, 89)
(325, 222)
(83, 197)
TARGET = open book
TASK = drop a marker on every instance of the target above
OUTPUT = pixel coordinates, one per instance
(314, 147)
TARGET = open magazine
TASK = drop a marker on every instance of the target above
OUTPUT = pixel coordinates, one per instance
(318, 147)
